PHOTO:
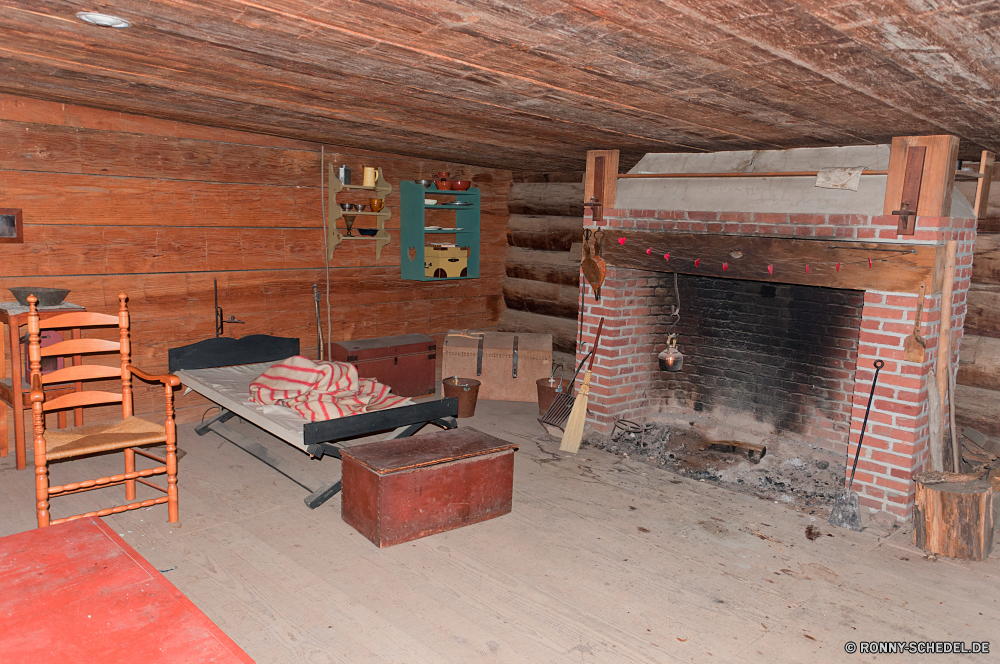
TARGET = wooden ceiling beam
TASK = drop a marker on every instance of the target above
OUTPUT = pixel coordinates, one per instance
(523, 84)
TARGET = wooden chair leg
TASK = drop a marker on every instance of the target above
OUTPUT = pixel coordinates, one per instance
(3, 426)
(129, 468)
(41, 468)
(17, 411)
(172, 509)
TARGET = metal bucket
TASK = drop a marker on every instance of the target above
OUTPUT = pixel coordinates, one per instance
(547, 392)
(466, 390)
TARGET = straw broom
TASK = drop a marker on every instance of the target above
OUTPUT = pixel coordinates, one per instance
(573, 434)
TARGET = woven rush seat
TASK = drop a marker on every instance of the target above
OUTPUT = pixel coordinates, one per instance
(92, 438)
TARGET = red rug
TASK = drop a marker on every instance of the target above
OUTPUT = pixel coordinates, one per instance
(78, 592)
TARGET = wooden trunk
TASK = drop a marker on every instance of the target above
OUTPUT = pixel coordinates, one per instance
(506, 364)
(401, 490)
(953, 518)
(404, 362)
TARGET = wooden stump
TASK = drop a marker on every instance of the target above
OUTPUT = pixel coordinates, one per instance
(953, 515)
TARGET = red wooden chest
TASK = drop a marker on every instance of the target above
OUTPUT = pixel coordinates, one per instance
(404, 362)
(399, 490)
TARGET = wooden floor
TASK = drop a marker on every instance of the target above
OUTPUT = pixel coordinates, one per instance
(601, 560)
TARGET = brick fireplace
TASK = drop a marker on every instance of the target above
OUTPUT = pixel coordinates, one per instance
(781, 346)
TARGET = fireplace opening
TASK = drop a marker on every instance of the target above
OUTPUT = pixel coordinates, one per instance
(782, 354)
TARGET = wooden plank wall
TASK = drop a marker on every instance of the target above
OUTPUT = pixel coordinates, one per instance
(159, 209)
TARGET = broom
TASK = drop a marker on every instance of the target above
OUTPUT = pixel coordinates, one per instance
(557, 414)
(578, 417)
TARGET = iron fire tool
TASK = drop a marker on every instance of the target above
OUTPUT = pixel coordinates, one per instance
(846, 511)
(558, 412)
(573, 435)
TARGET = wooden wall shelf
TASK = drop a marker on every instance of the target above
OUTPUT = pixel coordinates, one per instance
(336, 215)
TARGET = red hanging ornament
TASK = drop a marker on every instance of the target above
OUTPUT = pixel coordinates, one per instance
(649, 252)
(770, 269)
(869, 262)
(666, 256)
(697, 261)
(621, 240)
(807, 269)
(838, 267)
(725, 266)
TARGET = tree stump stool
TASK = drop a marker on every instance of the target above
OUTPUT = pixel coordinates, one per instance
(953, 515)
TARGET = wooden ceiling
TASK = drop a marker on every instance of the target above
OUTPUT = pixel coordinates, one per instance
(527, 84)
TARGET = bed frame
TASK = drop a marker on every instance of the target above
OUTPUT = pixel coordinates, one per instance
(320, 438)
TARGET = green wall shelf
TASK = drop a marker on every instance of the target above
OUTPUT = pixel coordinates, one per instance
(414, 234)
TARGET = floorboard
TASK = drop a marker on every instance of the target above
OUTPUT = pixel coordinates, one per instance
(602, 560)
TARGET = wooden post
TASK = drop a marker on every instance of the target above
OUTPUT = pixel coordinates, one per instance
(943, 366)
(610, 177)
(938, 181)
(983, 187)
(953, 516)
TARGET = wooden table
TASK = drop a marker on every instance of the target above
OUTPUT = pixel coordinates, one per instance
(76, 592)
(12, 384)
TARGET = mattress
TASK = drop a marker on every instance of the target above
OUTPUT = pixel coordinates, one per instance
(230, 388)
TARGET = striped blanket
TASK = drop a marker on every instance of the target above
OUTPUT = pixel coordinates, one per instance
(320, 390)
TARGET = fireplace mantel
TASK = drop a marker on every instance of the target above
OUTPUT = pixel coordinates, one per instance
(829, 262)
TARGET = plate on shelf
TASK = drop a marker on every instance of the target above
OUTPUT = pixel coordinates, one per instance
(432, 228)
(459, 203)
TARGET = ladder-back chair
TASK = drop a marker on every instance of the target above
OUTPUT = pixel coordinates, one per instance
(129, 434)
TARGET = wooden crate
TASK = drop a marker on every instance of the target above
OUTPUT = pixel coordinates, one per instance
(400, 490)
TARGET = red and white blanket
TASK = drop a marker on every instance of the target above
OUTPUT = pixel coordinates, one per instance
(320, 390)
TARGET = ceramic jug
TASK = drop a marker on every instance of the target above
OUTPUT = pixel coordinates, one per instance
(370, 176)
(443, 181)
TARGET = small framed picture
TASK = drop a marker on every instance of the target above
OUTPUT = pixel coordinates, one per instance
(10, 225)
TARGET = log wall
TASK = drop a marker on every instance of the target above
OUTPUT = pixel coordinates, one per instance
(541, 289)
(159, 209)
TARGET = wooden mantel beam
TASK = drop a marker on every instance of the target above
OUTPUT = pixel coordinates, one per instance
(893, 267)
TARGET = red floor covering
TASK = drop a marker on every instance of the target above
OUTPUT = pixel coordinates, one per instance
(77, 592)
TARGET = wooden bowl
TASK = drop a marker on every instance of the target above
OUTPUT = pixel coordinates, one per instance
(460, 185)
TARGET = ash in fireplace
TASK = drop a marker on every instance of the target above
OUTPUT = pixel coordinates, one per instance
(791, 473)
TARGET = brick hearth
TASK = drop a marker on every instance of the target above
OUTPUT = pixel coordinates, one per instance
(627, 382)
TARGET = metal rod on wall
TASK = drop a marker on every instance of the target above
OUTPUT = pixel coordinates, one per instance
(777, 174)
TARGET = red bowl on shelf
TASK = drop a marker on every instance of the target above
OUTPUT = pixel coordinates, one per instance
(460, 185)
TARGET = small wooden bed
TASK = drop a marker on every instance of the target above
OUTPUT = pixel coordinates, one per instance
(222, 369)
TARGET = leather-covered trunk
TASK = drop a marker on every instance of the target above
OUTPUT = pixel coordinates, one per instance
(506, 363)
(404, 362)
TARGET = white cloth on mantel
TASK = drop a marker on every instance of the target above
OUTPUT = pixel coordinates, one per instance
(840, 178)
